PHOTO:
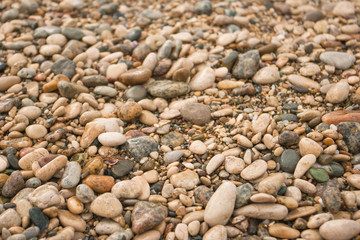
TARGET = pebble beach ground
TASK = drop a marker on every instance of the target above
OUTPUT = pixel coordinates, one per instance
(179, 120)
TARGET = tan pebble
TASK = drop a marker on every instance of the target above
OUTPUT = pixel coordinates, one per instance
(263, 211)
(271, 184)
(289, 202)
(262, 198)
(340, 229)
(36, 131)
(304, 164)
(317, 220)
(68, 219)
(281, 230)
(300, 212)
(309, 146)
(74, 205)
(254, 170)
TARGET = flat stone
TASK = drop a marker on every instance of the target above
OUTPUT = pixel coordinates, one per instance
(340, 60)
(13, 185)
(141, 146)
(340, 229)
(39, 218)
(246, 65)
(64, 66)
(270, 211)
(106, 205)
(304, 82)
(267, 75)
(187, 179)
(254, 170)
(338, 93)
(7, 82)
(203, 79)
(196, 113)
(288, 161)
(167, 89)
(111, 139)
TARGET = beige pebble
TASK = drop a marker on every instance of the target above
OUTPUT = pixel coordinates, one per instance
(36, 131)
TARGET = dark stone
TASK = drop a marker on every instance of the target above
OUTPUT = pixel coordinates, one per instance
(282, 8)
(314, 16)
(319, 174)
(268, 48)
(133, 34)
(73, 33)
(157, 187)
(44, 32)
(31, 232)
(140, 52)
(39, 218)
(162, 67)
(290, 106)
(147, 215)
(141, 147)
(230, 59)
(122, 168)
(148, 165)
(300, 89)
(325, 159)
(94, 80)
(330, 194)
(203, 7)
(13, 184)
(337, 170)
(109, 8)
(196, 113)
(172, 139)
(289, 117)
(288, 160)
(9, 150)
(165, 50)
(13, 161)
(2, 66)
(309, 48)
(28, 6)
(167, 89)
(288, 138)
(246, 65)
(64, 66)
(351, 132)
(202, 195)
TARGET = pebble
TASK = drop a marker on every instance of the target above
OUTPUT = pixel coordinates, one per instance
(147, 215)
(196, 113)
(71, 175)
(9, 218)
(304, 164)
(167, 89)
(338, 59)
(187, 179)
(84, 193)
(107, 227)
(309, 146)
(254, 170)
(111, 139)
(67, 219)
(13, 184)
(267, 75)
(203, 80)
(39, 218)
(126, 189)
(217, 232)
(100, 184)
(135, 76)
(137, 93)
(304, 82)
(36, 131)
(349, 131)
(45, 196)
(281, 230)
(173, 156)
(140, 147)
(272, 184)
(106, 205)
(340, 229)
(221, 205)
(288, 161)
(246, 65)
(263, 211)
(338, 93)
(198, 147)
(317, 220)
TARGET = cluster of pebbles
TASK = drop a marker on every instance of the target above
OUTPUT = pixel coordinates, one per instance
(179, 120)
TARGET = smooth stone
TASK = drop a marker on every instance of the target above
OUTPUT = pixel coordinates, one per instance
(105, 91)
(270, 211)
(70, 90)
(330, 194)
(9, 218)
(45, 196)
(137, 93)
(340, 229)
(338, 93)
(354, 180)
(26, 161)
(122, 168)
(147, 215)
(246, 65)
(49, 50)
(4, 163)
(106, 205)
(111, 139)
(196, 113)
(68, 219)
(262, 198)
(135, 76)
(267, 75)
(340, 60)
(173, 156)
(43, 32)
(72, 49)
(261, 123)
(304, 82)
(272, 184)
(310, 69)
(39, 218)
(254, 170)
(226, 39)
(309, 146)
(73, 33)
(47, 171)
(214, 163)
(99, 183)
(71, 176)
(31, 232)
(167, 89)
(107, 227)
(304, 164)
(281, 230)
(187, 179)
(181, 231)
(144, 185)
(300, 212)
(94, 80)
(319, 174)
(36, 131)
(315, 221)
(218, 232)
(288, 160)
(305, 186)
(31, 112)
(130, 110)
(204, 79)
(198, 147)
(234, 164)
(126, 189)
(221, 205)
(26, 73)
